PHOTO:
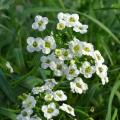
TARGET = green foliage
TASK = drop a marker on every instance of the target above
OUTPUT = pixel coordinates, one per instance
(16, 17)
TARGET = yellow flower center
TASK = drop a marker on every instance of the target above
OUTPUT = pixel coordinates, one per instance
(50, 110)
(72, 71)
(47, 45)
(40, 23)
(35, 44)
(65, 53)
(71, 19)
(78, 85)
(88, 69)
(87, 49)
(59, 95)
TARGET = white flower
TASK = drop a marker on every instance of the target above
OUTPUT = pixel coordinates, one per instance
(68, 109)
(9, 67)
(48, 44)
(78, 86)
(59, 67)
(40, 23)
(87, 70)
(50, 110)
(36, 90)
(48, 97)
(76, 47)
(59, 95)
(50, 83)
(72, 20)
(101, 71)
(62, 17)
(29, 102)
(48, 61)
(98, 57)
(34, 44)
(66, 54)
(25, 114)
(79, 27)
(104, 79)
(61, 25)
(71, 72)
(88, 49)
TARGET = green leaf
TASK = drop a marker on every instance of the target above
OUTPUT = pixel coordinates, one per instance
(32, 81)
(8, 113)
(114, 89)
(5, 87)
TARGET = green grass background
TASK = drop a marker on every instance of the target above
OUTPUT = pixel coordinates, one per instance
(16, 17)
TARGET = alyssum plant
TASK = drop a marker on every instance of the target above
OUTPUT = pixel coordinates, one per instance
(70, 66)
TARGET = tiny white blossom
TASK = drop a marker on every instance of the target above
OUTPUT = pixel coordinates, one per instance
(48, 97)
(29, 102)
(68, 109)
(79, 27)
(98, 57)
(87, 70)
(101, 71)
(104, 79)
(72, 20)
(88, 49)
(36, 90)
(76, 47)
(9, 67)
(50, 83)
(66, 54)
(59, 67)
(62, 17)
(40, 23)
(48, 61)
(59, 95)
(48, 44)
(78, 86)
(72, 72)
(25, 114)
(61, 25)
(34, 44)
(50, 110)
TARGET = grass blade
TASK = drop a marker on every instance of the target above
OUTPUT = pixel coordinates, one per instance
(5, 87)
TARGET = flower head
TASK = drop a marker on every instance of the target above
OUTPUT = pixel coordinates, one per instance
(48, 61)
(78, 86)
(79, 27)
(76, 47)
(98, 57)
(72, 20)
(48, 97)
(48, 44)
(88, 49)
(50, 110)
(59, 95)
(87, 70)
(101, 71)
(29, 102)
(34, 44)
(72, 72)
(25, 114)
(40, 23)
(68, 109)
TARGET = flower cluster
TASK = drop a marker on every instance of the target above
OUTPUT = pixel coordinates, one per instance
(73, 64)
(71, 20)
